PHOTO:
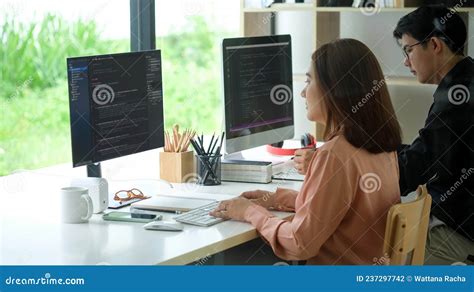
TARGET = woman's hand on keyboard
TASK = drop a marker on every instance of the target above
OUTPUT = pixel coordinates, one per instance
(260, 197)
(232, 209)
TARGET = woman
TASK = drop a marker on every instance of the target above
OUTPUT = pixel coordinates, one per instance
(352, 180)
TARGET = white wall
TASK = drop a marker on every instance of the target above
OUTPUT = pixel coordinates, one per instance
(376, 32)
(300, 26)
(411, 103)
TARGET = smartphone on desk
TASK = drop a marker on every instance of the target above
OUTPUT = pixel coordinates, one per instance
(130, 217)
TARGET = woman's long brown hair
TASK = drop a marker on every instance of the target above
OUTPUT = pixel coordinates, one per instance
(356, 97)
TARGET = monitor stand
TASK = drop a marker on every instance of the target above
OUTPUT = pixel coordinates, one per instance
(94, 170)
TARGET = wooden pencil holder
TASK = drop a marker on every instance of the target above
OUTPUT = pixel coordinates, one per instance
(177, 167)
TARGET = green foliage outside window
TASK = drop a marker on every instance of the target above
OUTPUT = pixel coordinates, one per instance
(34, 120)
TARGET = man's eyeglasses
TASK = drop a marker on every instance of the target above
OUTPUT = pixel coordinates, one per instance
(127, 195)
(407, 48)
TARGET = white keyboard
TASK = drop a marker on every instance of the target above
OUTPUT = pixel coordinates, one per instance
(200, 216)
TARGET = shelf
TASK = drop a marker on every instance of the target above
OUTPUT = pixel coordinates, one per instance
(382, 10)
(311, 7)
(353, 9)
(326, 27)
(282, 7)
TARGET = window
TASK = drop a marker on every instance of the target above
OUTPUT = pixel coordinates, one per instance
(36, 38)
(190, 33)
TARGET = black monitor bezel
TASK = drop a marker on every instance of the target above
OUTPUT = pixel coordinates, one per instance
(89, 57)
(242, 41)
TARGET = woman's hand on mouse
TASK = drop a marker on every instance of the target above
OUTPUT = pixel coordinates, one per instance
(232, 209)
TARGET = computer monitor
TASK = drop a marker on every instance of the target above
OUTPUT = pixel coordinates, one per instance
(116, 105)
(258, 91)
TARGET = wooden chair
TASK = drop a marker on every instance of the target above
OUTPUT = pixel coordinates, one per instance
(406, 230)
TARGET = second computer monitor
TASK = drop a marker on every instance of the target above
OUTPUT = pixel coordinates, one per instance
(258, 91)
(116, 105)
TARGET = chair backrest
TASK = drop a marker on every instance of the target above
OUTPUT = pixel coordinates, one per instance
(406, 230)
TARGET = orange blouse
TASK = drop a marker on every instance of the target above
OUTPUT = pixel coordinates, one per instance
(341, 210)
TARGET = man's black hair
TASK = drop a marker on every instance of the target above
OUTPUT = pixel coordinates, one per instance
(434, 21)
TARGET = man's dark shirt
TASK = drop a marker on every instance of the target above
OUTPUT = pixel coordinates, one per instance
(443, 154)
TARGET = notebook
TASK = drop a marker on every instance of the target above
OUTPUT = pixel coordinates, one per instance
(171, 203)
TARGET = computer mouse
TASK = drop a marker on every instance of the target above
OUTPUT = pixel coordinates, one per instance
(164, 226)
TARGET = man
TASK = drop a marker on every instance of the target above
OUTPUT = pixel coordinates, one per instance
(442, 156)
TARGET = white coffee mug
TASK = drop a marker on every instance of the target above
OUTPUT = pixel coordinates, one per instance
(98, 191)
(76, 205)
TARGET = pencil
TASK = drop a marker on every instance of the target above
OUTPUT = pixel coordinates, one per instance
(210, 144)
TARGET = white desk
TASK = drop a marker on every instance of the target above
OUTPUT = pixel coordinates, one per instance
(31, 233)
